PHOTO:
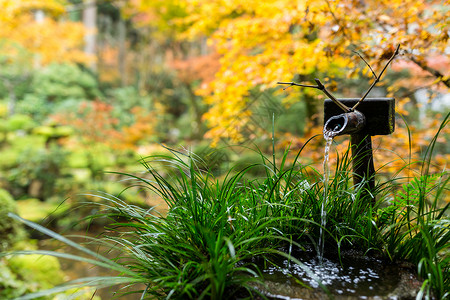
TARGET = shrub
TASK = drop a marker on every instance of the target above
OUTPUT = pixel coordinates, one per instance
(38, 171)
(58, 82)
(11, 231)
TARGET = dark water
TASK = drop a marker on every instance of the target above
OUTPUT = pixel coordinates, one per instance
(359, 277)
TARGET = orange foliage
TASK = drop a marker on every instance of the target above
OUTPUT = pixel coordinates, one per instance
(201, 68)
(140, 130)
(108, 71)
(95, 124)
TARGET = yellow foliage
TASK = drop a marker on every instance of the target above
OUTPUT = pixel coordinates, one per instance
(14, 8)
(50, 40)
(262, 42)
(258, 48)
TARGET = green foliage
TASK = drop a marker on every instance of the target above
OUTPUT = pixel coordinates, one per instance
(10, 286)
(15, 72)
(291, 117)
(203, 247)
(124, 99)
(15, 145)
(20, 122)
(172, 96)
(36, 106)
(42, 167)
(252, 161)
(416, 226)
(53, 85)
(16, 122)
(58, 82)
(216, 160)
(10, 231)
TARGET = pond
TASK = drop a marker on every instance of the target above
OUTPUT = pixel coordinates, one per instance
(358, 277)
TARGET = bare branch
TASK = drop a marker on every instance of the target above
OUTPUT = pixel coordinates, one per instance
(297, 84)
(367, 64)
(377, 78)
(321, 87)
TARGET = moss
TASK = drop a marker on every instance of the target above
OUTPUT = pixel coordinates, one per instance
(24, 274)
(10, 230)
(10, 286)
(44, 270)
(35, 210)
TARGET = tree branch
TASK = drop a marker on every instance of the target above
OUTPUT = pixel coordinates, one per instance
(367, 64)
(321, 87)
(297, 84)
(430, 70)
(424, 66)
(377, 78)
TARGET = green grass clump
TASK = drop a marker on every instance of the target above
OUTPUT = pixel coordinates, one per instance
(206, 246)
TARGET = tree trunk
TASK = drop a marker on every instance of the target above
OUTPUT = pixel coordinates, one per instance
(122, 31)
(198, 130)
(39, 17)
(312, 110)
(90, 23)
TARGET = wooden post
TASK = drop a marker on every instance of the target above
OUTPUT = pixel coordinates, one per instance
(362, 160)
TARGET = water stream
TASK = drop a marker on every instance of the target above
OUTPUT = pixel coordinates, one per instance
(328, 135)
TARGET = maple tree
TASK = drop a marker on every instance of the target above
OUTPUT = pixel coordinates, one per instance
(51, 39)
(375, 27)
(262, 42)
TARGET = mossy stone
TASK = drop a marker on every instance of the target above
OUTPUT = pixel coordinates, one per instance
(42, 269)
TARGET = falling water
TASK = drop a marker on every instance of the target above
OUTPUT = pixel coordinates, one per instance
(328, 135)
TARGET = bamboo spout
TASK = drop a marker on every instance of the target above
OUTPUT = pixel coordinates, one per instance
(374, 117)
(346, 123)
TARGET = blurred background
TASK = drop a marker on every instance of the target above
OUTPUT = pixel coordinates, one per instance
(92, 86)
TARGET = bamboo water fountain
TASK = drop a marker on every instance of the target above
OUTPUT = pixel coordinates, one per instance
(361, 119)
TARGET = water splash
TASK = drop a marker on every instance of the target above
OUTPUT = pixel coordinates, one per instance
(328, 135)
(359, 277)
